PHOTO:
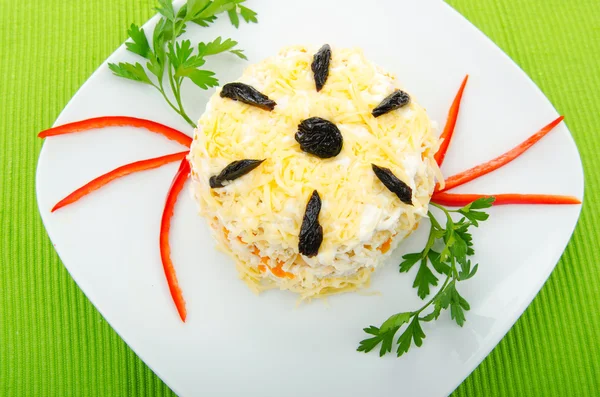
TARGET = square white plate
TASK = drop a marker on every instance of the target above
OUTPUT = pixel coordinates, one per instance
(236, 343)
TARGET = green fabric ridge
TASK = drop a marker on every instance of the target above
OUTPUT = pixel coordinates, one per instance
(53, 342)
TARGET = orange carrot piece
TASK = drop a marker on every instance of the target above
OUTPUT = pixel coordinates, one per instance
(165, 226)
(385, 247)
(446, 135)
(119, 172)
(118, 121)
(492, 165)
(279, 272)
(460, 200)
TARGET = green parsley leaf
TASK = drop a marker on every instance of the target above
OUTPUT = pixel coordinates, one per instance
(369, 344)
(215, 47)
(458, 305)
(459, 248)
(396, 321)
(466, 272)
(449, 241)
(182, 13)
(385, 334)
(248, 14)
(179, 28)
(165, 8)
(163, 32)
(240, 54)
(409, 261)
(439, 266)
(216, 7)
(187, 67)
(129, 71)
(180, 53)
(413, 332)
(155, 67)
(435, 314)
(233, 17)
(474, 216)
(482, 203)
(444, 299)
(424, 279)
(204, 22)
(203, 79)
(387, 341)
(194, 7)
(139, 44)
(445, 253)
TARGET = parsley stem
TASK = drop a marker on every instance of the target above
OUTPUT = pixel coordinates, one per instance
(172, 84)
(161, 89)
(448, 216)
(440, 207)
(176, 88)
(425, 306)
(430, 239)
(454, 269)
(179, 112)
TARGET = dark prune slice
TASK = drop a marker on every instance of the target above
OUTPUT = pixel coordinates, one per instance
(319, 137)
(394, 185)
(233, 171)
(395, 100)
(247, 94)
(320, 66)
(311, 232)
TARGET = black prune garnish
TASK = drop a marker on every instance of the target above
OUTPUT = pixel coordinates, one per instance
(247, 94)
(394, 185)
(320, 66)
(395, 100)
(319, 137)
(233, 171)
(311, 232)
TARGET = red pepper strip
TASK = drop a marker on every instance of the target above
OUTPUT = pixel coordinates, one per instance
(165, 226)
(460, 200)
(485, 168)
(124, 170)
(118, 121)
(450, 124)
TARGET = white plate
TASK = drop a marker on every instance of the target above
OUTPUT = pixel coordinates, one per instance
(236, 342)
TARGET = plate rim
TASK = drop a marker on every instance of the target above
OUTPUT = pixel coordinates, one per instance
(482, 353)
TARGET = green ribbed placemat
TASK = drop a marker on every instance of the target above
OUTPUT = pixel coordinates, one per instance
(54, 343)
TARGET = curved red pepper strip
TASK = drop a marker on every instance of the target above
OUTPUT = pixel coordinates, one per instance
(487, 167)
(124, 170)
(460, 200)
(165, 226)
(118, 121)
(446, 135)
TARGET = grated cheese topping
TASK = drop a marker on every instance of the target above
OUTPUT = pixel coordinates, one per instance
(257, 218)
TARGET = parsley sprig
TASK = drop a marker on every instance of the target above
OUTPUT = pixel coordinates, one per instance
(174, 60)
(447, 251)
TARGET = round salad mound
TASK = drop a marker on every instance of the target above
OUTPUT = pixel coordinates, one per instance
(257, 216)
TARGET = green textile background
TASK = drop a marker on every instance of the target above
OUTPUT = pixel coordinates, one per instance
(53, 342)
